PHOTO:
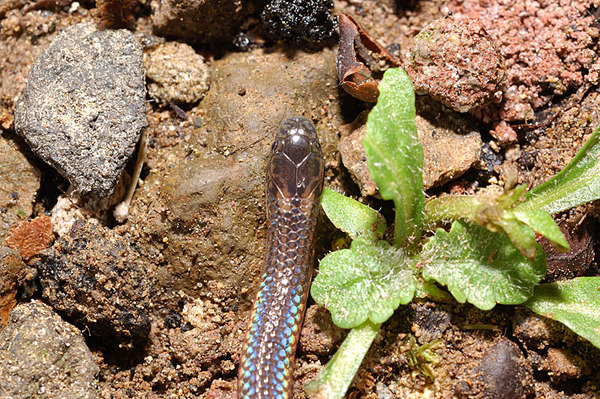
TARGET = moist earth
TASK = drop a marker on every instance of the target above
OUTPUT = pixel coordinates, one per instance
(157, 307)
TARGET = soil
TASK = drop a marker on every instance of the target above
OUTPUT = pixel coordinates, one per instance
(163, 299)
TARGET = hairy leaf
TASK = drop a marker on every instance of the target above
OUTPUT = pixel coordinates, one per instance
(576, 184)
(542, 223)
(394, 154)
(352, 217)
(575, 303)
(367, 281)
(481, 267)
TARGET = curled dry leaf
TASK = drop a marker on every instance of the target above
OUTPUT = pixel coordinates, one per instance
(361, 61)
(577, 261)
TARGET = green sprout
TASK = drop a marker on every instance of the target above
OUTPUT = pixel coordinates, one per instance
(487, 256)
(421, 357)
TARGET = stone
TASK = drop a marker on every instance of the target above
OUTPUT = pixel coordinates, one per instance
(30, 237)
(501, 374)
(12, 270)
(441, 131)
(205, 21)
(83, 108)
(457, 63)
(20, 183)
(207, 201)
(43, 356)
(175, 73)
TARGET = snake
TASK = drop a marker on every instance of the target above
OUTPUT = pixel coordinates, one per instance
(293, 189)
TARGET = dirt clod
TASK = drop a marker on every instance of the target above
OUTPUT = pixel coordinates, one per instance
(319, 335)
(296, 20)
(457, 63)
(565, 365)
(94, 278)
(430, 321)
(175, 73)
(204, 21)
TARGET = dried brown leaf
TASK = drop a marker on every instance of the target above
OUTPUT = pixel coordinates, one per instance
(361, 60)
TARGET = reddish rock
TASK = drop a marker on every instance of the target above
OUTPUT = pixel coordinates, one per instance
(504, 133)
(549, 48)
(457, 63)
(11, 270)
(31, 237)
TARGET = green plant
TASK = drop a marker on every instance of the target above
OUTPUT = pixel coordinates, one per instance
(488, 256)
(419, 357)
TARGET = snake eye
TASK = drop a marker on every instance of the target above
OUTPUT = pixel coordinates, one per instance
(274, 146)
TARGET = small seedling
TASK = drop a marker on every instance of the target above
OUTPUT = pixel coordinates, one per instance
(487, 256)
(421, 357)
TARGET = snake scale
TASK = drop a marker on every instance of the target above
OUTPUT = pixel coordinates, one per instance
(294, 185)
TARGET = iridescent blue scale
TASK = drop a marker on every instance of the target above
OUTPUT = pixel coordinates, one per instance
(268, 355)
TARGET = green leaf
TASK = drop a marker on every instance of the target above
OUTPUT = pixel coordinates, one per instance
(520, 235)
(498, 213)
(576, 184)
(481, 267)
(352, 217)
(575, 303)
(366, 282)
(394, 154)
(335, 378)
(542, 223)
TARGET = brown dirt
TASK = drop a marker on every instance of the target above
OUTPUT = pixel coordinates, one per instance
(196, 225)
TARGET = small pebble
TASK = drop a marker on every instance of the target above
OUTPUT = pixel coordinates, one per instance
(175, 74)
(500, 375)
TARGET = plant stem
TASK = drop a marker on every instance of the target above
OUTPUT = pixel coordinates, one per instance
(333, 381)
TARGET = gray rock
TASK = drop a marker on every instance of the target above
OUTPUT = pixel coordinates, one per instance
(20, 182)
(43, 356)
(83, 110)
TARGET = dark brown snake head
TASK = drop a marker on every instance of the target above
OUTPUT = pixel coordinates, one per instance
(296, 162)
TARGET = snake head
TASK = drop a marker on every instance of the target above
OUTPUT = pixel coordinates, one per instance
(296, 163)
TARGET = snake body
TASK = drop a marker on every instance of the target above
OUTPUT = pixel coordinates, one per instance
(294, 185)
